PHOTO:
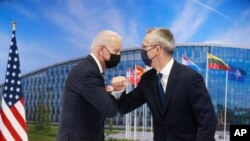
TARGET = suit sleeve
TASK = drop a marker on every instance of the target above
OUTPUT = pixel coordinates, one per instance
(94, 92)
(203, 109)
(132, 100)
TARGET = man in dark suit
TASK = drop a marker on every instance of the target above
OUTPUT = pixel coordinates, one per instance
(86, 102)
(176, 95)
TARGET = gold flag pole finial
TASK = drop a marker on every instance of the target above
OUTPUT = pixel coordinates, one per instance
(13, 25)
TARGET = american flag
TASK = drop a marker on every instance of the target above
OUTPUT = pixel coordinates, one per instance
(12, 113)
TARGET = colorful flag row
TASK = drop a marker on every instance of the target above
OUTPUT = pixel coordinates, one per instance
(214, 62)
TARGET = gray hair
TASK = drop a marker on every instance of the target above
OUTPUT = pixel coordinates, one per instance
(103, 38)
(162, 37)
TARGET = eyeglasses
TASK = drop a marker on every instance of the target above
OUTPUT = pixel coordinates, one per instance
(107, 49)
(143, 47)
(113, 52)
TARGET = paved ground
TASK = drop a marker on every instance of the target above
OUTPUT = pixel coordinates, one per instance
(149, 137)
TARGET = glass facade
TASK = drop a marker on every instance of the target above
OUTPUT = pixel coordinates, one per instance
(238, 107)
(46, 85)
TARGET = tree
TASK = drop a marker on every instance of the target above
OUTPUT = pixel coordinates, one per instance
(43, 120)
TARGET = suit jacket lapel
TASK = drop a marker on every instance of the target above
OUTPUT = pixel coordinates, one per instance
(156, 94)
(93, 62)
(171, 85)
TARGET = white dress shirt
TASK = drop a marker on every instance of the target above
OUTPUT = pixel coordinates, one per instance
(165, 74)
(97, 62)
(116, 94)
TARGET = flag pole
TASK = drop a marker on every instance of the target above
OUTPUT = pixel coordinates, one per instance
(126, 116)
(144, 116)
(207, 72)
(151, 125)
(135, 115)
(143, 120)
(225, 111)
(130, 124)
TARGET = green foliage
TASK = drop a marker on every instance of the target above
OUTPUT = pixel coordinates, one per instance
(111, 131)
(43, 121)
(33, 130)
(119, 140)
(37, 137)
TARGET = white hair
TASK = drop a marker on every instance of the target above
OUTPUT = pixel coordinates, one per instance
(103, 38)
(162, 37)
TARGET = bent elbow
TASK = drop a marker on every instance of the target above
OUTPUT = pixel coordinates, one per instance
(111, 113)
(122, 111)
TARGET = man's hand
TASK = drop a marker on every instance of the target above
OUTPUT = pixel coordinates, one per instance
(119, 83)
(109, 89)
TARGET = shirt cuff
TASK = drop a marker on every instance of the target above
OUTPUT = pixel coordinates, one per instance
(117, 94)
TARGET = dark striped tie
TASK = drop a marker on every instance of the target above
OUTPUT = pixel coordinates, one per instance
(160, 88)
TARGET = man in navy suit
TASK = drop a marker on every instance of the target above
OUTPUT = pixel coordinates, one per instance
(176, 95)
(86, 102)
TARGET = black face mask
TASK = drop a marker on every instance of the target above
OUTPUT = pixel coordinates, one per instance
(145, 58)
(114, 60)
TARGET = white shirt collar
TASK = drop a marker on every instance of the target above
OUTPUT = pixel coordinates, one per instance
(166, 70)
(97, 62)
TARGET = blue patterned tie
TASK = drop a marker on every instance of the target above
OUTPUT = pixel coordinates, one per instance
(103, 76)
(160, 88)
